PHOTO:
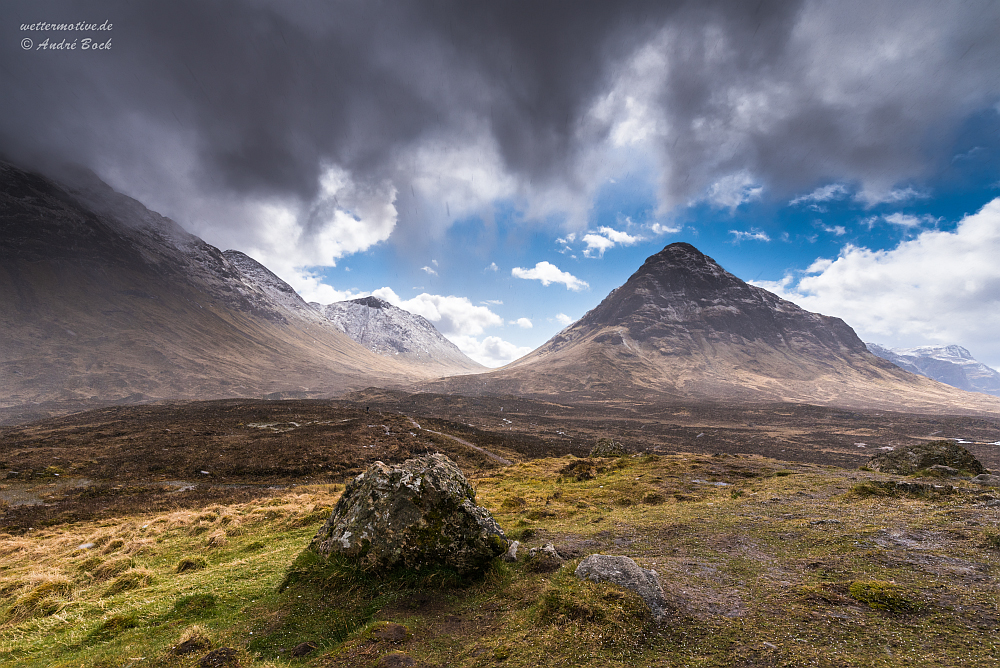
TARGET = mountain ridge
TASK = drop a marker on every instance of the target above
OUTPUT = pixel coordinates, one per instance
(681, 328)
(107, 301)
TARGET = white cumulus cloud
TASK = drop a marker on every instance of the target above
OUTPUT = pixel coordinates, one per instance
(596, 245)
(429, 271)
(451, 315)
(548, 273)
(751, 235)
(732, 190)
(940, 287)
(823, 194)
(873, 197)
(492, 351)
(605, 238)
(523, 323)
(563, 319)
(906, 220)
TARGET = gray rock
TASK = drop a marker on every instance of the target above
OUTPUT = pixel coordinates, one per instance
(607, 447)
(942, 470)
(544, 559)
(625, 573)
(419, 514)
(987, 479)
(912, 458)
(511, 554)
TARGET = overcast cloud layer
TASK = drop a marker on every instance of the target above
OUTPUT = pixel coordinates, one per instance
(305, 132)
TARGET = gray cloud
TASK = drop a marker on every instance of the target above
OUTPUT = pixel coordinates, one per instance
(203, 106)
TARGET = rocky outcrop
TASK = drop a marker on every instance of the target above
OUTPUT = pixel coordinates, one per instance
(420, 514)
(624, 572)
(912, 458)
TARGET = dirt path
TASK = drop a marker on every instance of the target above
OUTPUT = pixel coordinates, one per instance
(495, 457)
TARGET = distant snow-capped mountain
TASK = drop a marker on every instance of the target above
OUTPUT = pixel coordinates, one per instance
(393, 332)
(952, 365)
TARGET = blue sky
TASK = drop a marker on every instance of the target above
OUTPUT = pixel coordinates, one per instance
(499, 167)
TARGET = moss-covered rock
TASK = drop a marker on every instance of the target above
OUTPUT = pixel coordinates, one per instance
(607, 447)
(912, 458)
(420, 514)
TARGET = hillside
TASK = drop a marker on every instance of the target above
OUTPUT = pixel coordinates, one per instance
(107, 301)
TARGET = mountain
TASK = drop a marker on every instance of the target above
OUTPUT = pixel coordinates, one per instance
(390, 331)
(104, 300)
(683, 328)
(952, 365)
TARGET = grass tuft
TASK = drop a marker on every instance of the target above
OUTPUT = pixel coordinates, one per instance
(882, 595)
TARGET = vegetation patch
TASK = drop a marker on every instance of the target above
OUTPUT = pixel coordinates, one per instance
(194, 605)
(882, 595)
(134, 579)
(190, 564)
(113, 626)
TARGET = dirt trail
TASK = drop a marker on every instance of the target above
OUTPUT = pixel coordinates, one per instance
(493, 456)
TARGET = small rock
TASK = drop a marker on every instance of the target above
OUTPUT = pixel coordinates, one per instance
(987, 479)
(224, 657)
(511, 554)
(391, 632)
(625, 573)
(944, 471)
(304, 648)
(396, 660)
(544, 559)
(607, 447)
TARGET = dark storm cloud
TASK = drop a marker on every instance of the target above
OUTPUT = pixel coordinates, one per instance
(271, 90)
(255, 97)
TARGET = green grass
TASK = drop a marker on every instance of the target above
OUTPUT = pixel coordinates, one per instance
(800, 569)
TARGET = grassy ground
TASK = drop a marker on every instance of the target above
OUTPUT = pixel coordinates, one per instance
(763, 563)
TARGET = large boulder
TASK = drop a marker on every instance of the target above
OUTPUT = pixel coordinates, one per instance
(624, 572)
(912, 458)
(422, 513)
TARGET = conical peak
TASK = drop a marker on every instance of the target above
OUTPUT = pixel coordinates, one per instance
(683, 268)
(683, 256)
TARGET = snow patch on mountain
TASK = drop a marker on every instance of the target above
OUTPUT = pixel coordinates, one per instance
(393, 332)
(258, 278)
(952, 365)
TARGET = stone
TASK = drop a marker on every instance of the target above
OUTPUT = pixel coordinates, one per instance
(912, 458)
(224, 657)
(944, 471)
(510, 556)
(625, 573)
(987, 479)
(419, 514)
(544, 559)
(304, 648)
(391, 632)
(607, 447)
(396, 660)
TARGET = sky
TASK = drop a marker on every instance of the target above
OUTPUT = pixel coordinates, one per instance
(499, 167)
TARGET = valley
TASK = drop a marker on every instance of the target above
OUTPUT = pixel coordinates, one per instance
(155, 535)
